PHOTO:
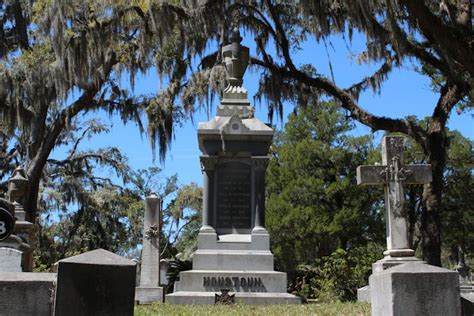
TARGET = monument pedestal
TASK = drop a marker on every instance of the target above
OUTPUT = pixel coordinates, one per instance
(415, 289)
(240, 263)
(388, 262)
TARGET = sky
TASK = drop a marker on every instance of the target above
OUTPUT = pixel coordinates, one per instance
(405, 93)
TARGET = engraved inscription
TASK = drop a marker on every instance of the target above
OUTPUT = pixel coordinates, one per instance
(235, 282)
(233, 195)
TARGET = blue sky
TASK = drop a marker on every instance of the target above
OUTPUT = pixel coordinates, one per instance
(405, 93)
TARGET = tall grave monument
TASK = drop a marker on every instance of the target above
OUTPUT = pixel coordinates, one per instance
(150, 290)
(402, 284)
(233, 252)
(393, 174)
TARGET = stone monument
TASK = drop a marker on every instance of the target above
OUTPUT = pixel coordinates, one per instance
(23, 233)
(402, 284)
(414, 289)
(97, 282)
(393, 174)
(233, 254)
(149, 290)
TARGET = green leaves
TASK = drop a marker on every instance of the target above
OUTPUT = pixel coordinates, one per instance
(314, 205)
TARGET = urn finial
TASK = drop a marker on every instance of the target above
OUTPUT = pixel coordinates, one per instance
(236, 59)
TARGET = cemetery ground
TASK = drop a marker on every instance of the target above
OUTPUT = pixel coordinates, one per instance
(319, 309)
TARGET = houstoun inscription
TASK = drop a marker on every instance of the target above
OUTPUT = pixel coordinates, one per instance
(229, 282)
(233, 195)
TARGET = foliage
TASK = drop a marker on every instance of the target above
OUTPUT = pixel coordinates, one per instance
(325, 309)
(338, 276)
(53, 50)
(314, 205)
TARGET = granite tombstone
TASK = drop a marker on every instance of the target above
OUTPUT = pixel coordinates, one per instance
(97, 282)
(233, 254)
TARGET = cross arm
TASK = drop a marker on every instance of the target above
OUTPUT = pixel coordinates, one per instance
(418, 174)
(370, 175)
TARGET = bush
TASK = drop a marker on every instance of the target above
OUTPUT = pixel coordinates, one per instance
(337, 276)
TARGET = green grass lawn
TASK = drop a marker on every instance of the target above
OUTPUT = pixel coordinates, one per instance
(326, 309)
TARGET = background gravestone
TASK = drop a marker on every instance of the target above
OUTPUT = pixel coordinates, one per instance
(26, 293)
(149, 290)
(95, 283)
(10, 260)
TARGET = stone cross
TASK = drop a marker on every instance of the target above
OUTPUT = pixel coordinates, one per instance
(393, 174)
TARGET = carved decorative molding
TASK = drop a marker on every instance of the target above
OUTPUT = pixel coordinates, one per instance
(152, 231)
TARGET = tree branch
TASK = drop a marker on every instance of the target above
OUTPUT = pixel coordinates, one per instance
(443, 36)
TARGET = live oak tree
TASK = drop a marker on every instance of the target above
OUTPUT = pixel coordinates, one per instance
(60, 59)
(57, 47)
(436, 34)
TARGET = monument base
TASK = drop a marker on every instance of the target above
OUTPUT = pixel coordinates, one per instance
(209, 298)
(388, 262)
(363, 293)
(239, 263)
(148, 295)
(413, 289)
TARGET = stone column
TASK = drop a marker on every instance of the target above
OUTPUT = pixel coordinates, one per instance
(149, 290)
(208, 163)
(150, 263)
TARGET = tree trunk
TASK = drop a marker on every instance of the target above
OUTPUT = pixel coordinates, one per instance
(432, 194)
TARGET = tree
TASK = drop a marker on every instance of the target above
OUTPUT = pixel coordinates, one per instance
(60, 59)
(314, 205)
(58, 47)
(396, 32)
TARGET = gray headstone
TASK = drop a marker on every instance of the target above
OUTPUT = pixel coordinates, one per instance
(26, 293)
(467, 304)
(10, 260)
(414, 289)
(95, 283)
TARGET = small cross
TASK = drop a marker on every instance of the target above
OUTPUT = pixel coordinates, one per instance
(393, 174)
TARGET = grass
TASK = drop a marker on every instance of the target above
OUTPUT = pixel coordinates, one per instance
(324, 309)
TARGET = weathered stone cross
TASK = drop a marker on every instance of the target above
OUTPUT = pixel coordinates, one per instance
(393, 174)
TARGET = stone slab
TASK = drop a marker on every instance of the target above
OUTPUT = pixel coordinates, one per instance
(208, 298)
(232, 260)
(10, 260)
(363, 294)
(148, 295)
(26, 293)
(211, 241)
(413, 289)
(95, 283)
(467, 304)
(390, 262)
(236, 281)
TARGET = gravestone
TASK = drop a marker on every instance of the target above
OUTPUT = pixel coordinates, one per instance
(26, 293)
(149, 290)
(22, 238)
(233, 254)
(97, 282)
(393, 174)
(10, 260)
(414, 289)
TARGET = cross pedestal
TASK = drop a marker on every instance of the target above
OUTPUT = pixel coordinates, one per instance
(393, 174)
